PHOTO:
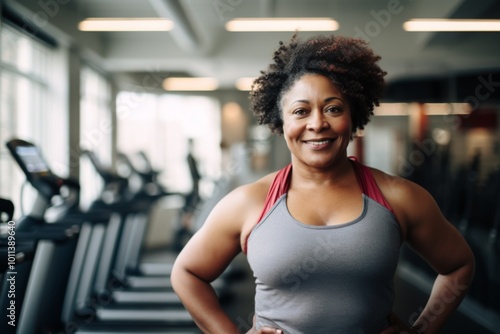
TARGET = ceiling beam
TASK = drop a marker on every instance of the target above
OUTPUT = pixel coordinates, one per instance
(267, 8)
(183, 32)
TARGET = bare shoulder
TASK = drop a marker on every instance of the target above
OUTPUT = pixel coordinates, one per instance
(252, 192)
(423, 225)
(400, 190)
(408, 199)
(395, 187)
(218, 241)
(242, 205)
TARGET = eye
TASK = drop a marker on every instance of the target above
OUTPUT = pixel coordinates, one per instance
(334, 109)
(299, 111)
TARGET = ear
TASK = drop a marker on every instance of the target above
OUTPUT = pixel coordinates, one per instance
(358, 134)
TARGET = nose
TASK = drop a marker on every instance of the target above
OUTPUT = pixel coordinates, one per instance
(317, 121)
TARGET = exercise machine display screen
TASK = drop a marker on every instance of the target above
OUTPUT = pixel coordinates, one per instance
(32, 159)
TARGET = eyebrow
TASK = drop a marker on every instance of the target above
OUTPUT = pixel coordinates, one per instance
(328, 99)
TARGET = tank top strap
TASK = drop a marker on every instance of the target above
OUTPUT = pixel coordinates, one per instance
(278, 187)
(368, 184)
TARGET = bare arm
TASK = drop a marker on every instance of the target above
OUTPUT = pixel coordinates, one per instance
(208, 254)
(441, 245)
(202, 260)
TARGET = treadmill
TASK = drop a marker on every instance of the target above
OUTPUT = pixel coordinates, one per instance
(14, 266)
(151, 276)
(131, 214)
(148, 189)
(47, 279)
(97, 295)
(38, 296)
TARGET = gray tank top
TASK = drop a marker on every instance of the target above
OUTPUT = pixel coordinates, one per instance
(324, 279)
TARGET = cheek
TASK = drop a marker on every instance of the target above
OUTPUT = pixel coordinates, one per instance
(343, 126)
(292, 129)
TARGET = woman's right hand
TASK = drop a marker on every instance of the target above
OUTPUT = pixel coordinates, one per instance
(263, 330)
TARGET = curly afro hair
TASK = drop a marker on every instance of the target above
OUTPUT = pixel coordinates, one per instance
(348, 62)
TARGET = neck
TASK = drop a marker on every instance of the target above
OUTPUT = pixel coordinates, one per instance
(331, 174)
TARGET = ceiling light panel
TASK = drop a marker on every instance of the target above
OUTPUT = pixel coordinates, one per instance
(282, 24)
(244, 83)
(435, 25)
(190, 84)
(125, 24)
(431, 109)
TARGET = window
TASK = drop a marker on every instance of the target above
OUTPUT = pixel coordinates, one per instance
(27, 95)
(161, 126)
(95, 130)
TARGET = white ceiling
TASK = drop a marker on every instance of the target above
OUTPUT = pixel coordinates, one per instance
(200, 46)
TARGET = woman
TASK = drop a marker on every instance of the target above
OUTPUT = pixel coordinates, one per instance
(322, 235)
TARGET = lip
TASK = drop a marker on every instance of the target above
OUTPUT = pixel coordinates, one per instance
(320, 143)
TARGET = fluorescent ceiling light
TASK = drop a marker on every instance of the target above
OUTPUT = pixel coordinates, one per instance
(391, 109)
(451, 25)
(448, 108)
(431, 109)
(125, 24)
(190, 84)
(244, 83)
(282, 24)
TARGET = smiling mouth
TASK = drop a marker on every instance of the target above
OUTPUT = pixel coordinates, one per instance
(319, 142)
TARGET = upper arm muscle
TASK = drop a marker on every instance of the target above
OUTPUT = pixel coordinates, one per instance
(429, 233)
(214, 246)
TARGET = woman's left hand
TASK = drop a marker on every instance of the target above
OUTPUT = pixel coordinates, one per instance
(397, 327)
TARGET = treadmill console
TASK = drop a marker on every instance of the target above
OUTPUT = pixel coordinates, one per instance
(31, 158)
(32, 163)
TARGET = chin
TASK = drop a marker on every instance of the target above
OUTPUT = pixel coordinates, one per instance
(319, 163)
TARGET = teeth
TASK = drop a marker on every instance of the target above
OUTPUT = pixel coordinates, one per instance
(318, 143)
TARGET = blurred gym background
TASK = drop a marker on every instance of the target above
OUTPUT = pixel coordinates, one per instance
(100, 88)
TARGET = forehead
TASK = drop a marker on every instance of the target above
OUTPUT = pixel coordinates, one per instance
(310, 86)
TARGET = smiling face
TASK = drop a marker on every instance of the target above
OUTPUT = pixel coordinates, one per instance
(316, 121)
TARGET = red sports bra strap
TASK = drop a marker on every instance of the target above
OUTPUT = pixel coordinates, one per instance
(278, 187)
(368, 184)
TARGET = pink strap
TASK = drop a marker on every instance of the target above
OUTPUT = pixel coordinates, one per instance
(368, 184)
(279, 187)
